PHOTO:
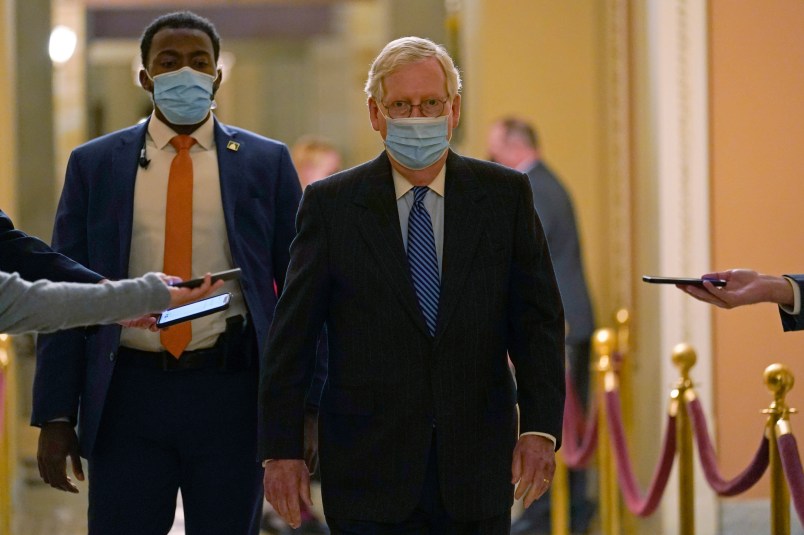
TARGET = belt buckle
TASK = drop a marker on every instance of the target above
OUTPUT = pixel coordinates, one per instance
(168, 361)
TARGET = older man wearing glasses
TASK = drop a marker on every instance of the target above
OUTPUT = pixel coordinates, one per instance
(428, 269)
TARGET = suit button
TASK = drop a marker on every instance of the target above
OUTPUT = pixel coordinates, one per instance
(111, 356)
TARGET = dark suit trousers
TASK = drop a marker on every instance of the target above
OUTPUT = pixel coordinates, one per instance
(429, 518)
(165, 430)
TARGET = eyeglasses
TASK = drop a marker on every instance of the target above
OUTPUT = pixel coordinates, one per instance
(400, 109)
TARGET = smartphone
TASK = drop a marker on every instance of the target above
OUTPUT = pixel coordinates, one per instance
(229, 274)
(194, 310)
(682, 280)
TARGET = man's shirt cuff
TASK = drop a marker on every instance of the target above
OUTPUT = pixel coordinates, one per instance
(545, 435)
(796, 309)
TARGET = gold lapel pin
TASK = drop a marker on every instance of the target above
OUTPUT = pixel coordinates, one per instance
(233, 146)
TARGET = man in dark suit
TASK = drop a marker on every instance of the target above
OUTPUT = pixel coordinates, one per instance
(33, 259)
(428, 269)
(514, 143)
(158, 414)
(747, 287)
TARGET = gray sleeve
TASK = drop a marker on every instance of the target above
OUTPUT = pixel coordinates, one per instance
(45, 306)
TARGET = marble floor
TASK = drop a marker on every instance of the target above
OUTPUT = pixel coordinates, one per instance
(41, 510)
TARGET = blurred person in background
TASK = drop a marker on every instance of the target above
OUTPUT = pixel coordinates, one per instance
(315, 158)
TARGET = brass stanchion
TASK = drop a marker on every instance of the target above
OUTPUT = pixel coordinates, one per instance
(623, 319)
(625, 374)
(604, 342)
(684, 359)
(560, 499)
(779, 381)
(5, 439)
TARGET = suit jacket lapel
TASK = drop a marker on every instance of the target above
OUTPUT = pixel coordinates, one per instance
(229, 168)
(124, 171)
(379, 226)
(463, 227)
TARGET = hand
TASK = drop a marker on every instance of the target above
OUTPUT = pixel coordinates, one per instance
(285, 481)
(743, 287)
(143, 322)
(533, 467)
(180, 296)
(311, 441)
(57, 441)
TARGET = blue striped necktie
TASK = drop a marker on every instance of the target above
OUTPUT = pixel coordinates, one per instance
(422, 258)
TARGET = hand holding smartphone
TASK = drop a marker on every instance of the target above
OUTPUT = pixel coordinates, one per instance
(229, 274)
(682, 280)
(194, 310)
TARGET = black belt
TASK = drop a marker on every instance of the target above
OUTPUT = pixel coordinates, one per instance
(234, 350)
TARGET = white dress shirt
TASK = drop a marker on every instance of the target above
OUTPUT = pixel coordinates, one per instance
(211, 251)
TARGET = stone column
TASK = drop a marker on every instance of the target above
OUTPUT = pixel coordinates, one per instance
(32, 130)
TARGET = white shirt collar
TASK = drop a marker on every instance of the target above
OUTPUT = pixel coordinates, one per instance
(161, 133)
(402, 186)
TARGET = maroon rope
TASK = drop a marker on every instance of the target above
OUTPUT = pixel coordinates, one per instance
(578, 455)
(633, 498)
(577, 431)
(743, 481)
(574, 417)
(791, 463)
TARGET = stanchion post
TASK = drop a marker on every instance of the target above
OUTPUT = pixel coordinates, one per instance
(684, 359)
(625, 373)
(604, 344)
(779, 381)
(559, 499)
(5, 439)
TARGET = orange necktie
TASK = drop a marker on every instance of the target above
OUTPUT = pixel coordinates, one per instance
(179, 234)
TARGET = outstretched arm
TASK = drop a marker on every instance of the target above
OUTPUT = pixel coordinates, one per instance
(46, 306)
(743, 287)
(33, 259)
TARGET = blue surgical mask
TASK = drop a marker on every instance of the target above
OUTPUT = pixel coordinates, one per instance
(417, 142)
(184, 96)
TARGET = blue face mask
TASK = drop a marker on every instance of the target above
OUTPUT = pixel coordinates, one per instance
(184, 96)
(417, 142)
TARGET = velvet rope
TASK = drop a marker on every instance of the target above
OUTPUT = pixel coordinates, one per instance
(574, 417)
(633, 499)
(580, 439)
(578, 455)
(743, 481)
(791, 463)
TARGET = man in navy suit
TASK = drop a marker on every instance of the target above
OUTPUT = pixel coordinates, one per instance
(429, 268)
(747, 287)
(154, 418)
(33, 259)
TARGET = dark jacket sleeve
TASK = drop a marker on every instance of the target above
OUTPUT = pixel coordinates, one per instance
(791, 322)
(536, 325)
(33, 259)
(61, 356)
(320, 374)
(288, 362)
